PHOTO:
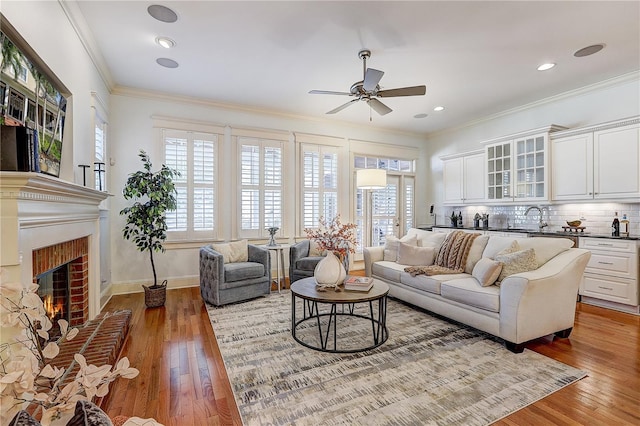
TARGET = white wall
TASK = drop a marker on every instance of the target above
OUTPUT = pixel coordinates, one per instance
(599, 104)
(131, 129)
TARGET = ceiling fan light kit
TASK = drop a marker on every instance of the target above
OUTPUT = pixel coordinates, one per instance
(368, 89)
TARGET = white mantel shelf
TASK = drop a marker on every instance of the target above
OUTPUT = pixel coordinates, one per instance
(41, 187)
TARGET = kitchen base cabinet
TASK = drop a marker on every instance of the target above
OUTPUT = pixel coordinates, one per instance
(611, 276)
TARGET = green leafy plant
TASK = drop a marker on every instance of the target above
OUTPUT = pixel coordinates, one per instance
(155, 194)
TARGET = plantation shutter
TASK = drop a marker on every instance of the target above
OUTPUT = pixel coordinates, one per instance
(408, 204)
(320, 184)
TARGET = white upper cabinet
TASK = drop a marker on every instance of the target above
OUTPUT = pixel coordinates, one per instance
(597, 163)
(463, 178)
(518, 167)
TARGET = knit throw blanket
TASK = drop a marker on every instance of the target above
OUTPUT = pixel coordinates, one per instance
(451, 258)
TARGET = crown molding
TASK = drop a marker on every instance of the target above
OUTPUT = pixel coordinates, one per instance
(597, 127)
(622, 79)
(77, 21)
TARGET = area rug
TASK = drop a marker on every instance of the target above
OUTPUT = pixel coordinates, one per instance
(429, 372)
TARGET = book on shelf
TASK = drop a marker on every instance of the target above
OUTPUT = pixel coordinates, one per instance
(358, 283)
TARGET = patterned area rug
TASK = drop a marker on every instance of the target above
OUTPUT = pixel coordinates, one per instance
(429, 372)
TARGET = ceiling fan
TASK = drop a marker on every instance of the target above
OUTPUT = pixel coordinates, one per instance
(368, 89)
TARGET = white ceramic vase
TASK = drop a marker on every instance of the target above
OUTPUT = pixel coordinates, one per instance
(329, 272)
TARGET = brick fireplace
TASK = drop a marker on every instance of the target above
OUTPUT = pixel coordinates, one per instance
(47, 222)
(75, 254)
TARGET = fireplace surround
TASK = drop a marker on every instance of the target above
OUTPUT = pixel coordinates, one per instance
(47, 222)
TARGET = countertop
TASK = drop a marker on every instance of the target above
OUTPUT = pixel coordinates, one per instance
(537, 233)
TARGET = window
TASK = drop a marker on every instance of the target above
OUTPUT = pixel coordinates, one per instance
(389, 210)
(320, 184)
(261, 186)
(16, 105)
(99, 149)
(194, 156)
(31, 111)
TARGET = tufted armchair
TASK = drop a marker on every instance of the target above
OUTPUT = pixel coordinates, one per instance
(222, 283)
(301, 265)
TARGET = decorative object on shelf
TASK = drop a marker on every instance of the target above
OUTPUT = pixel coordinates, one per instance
(624, 226)
(485, 220)
(28, 373)
(99, 171)
(454, 220)
(573, 228)
(84, 173)
(476, 221)
(615, 226)
(155, 194)
(574, 223)
(339, 240)
(272, 233)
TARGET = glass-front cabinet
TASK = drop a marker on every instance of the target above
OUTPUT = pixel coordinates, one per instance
(518, 167)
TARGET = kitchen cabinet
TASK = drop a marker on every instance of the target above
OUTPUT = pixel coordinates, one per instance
(611, 276)
(518, 167)
(597, 163)
(463, 178)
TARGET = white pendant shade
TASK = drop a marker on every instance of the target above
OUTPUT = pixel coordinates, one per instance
(371, 178)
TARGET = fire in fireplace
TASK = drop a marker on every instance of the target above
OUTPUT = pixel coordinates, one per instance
(54, 291)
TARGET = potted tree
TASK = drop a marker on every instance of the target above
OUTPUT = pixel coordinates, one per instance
(155, 194)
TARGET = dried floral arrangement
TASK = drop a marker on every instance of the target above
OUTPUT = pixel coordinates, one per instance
(27, 377)
(334, 236)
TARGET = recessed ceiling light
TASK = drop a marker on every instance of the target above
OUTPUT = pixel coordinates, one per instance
(162, 13)
(439, 108)
(165, 42)
(589, 50)
(166, 62)
(546, 66)
(421, 115)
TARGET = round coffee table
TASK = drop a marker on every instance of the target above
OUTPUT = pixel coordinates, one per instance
(327, 320)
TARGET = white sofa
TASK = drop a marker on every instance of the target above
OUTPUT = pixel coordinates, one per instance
(525, 306)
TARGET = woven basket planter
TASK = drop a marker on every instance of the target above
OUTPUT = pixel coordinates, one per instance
(155, 297)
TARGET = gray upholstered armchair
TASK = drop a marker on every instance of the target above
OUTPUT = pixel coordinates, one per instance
(301, 265)
(222, 283)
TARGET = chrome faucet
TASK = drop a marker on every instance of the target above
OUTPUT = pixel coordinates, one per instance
(541, 223)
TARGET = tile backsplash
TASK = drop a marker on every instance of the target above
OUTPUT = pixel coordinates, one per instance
(596, 218)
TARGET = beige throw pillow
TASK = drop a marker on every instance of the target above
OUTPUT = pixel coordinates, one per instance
(415, 256)
(237, 251)
(391, 245)
(475, 252)
(487, 271)
(516, 262)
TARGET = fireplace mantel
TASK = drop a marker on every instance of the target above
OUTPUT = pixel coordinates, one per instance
(38, 210)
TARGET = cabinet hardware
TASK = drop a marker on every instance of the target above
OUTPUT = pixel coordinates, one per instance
(605, 244)
(605, 288)
(606, 263)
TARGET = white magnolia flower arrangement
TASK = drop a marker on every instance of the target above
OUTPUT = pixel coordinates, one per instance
(26, 374)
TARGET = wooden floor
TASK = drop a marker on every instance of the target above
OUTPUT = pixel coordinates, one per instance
(183, 382)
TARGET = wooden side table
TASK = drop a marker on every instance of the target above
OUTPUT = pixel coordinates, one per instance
(279, 250)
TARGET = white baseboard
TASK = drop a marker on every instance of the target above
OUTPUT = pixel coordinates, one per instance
(136, 286)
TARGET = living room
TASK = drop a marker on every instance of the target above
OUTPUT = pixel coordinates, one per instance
(136, 118)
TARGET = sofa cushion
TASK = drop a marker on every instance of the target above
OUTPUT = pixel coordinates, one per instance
(487, 271)
(415, 256)
(469, 292)
(428, 283)
(314, 249)
(475, 253)
(516, 262)
(240, 271)
(387, 270)
(391, 245)
(430, 239)
(308, 263)
(496, 244)
(546, 248)
(236, 251)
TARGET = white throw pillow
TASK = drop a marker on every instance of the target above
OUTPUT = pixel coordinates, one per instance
(415, 256)
(391, 245)
(486, 271)
(314, 249)
(237, 251)
(546, 248)
(516, 262)
(496, 244)
(475, 252)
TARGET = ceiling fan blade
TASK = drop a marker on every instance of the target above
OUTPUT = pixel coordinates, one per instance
(343, 106)
(371, 79)
(404, 91)
(379, 107)
(327, 92)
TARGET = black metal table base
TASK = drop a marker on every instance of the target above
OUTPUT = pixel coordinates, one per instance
(311, 312)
